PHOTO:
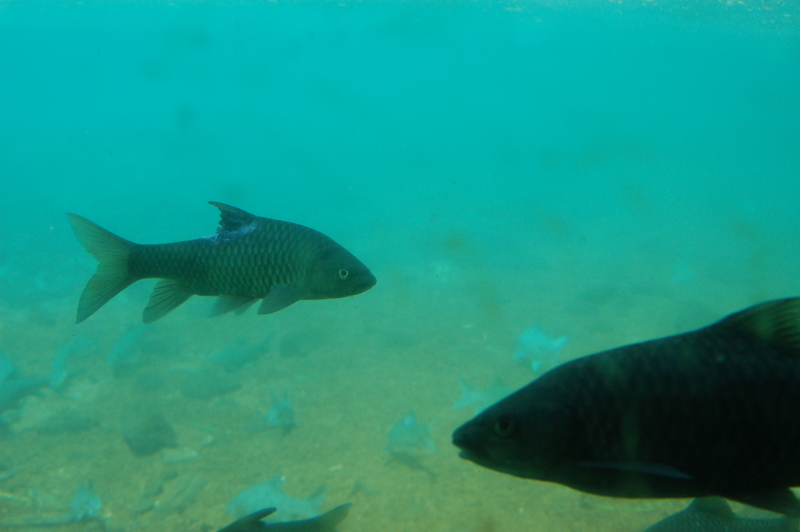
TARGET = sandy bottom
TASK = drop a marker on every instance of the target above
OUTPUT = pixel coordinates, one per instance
(372, 360)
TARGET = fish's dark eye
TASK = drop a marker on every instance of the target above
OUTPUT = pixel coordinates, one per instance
(504, 426)
(343, 274)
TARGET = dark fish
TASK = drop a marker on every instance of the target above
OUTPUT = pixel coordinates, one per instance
(714, 515)
(322, 523)
(709, 412)
(249, 258)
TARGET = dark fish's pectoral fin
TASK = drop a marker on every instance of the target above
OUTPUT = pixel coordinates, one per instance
(112, 275)
(225, 304)
(279, 297)
(655, 470)
(166, 297)
(231, 218)
(781, 501)
(774, 322)
(250, 522)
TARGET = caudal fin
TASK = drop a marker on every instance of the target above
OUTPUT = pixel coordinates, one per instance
(112, 276)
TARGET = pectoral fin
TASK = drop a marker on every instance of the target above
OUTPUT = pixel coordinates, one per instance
(659, 470)
(279, 297)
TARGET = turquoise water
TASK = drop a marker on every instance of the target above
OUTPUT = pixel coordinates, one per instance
(608, 172)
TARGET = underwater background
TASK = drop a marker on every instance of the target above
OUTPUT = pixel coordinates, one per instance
(528, 181)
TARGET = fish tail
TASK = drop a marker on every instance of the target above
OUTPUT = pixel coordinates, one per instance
(113, 274)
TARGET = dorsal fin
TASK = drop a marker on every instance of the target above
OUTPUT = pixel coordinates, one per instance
(774, 322)
(250, 522)
(712, 505)
(232, 218)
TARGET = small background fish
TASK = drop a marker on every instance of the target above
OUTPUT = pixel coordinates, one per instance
(271, 494)
(541, 351)
(496, 164)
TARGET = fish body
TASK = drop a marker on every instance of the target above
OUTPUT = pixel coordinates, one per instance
(249, 258)
(322, 523)
(281, 415)
(14, 387)
(85, 506)
(409, 437)
(270, 493)
(85, 503)
(480, 399)
(709, 412)
(235, 357)
(12, 391)
(714, 515)
(542, 351)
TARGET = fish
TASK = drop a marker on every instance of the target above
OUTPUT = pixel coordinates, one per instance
(85, 503)
(544, 352)
(85, 506)
(281, 416)
(710, 412)
(713, 514)
(241, 354)
(410, 438)
(249, 258)
(13, 387)
(322, 523)
(480, 399)
(270, 493)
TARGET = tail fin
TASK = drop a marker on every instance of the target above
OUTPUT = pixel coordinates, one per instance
(112, 276)
(329, 520)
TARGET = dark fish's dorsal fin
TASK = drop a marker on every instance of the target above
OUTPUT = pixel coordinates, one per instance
(250, 522)
(232, 218)
(712, 505)
(781, 501)
(774, 322)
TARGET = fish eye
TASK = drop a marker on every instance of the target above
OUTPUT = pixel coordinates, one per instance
(343, 274)
(504, 426)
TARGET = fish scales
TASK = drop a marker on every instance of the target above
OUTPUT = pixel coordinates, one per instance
(249, 264)
(249, 258)
(710, 412)
(616, 383)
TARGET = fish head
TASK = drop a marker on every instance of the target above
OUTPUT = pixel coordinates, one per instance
(338, 273)
(517, 437)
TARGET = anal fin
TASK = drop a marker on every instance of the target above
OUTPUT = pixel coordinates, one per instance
(226, 303)
(166, 297)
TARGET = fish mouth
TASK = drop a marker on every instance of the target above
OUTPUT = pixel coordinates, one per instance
(470, 449)
(365, 282)
(480, 457)
(475, 454)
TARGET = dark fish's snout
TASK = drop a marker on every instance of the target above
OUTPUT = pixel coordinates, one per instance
(467, 439)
